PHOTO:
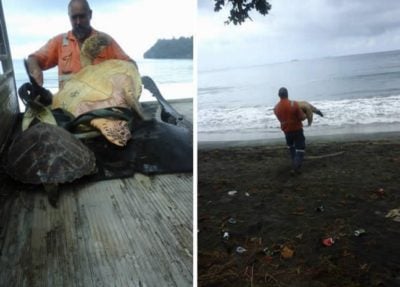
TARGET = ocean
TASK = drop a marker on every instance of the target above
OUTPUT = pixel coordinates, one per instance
(174, 78)
(356, 93)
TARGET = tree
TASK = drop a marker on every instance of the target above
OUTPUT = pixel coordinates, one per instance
(240, 9)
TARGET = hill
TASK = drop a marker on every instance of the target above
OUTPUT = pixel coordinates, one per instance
(181, 48)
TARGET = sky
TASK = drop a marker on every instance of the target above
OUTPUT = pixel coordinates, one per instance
(299, 30)
(134, 24)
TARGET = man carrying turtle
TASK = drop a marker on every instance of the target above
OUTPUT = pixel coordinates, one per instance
(64, 50)
(291, 116)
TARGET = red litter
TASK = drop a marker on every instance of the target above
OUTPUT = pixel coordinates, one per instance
(328, 241)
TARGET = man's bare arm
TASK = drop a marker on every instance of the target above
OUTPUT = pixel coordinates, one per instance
(35, 70)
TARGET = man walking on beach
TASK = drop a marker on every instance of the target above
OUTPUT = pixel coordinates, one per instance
(291, 116)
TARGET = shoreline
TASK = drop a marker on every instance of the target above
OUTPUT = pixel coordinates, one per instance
(310, 139)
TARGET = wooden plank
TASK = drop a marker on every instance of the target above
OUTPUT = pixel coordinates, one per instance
(128, 232)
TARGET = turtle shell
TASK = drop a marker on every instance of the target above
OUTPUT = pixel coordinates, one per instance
(48, 154)
(108, 84)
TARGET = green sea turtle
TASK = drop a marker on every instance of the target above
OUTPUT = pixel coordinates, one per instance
(112, 83)
(49, 155)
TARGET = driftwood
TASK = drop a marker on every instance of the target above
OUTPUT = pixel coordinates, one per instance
(325, 155)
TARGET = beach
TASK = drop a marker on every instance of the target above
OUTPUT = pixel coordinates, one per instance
(258, 225)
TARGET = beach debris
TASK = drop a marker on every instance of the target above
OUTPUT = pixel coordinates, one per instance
(232, 220)
(320, 208)
(276, 249)
(365, 267)
(359, 232)
(287, 252)
(394, 214)
(232, 192)
(225, 235)
(268, 252)
(247, 194)
(328, 241)
(299, 236)
(240, 250)
(380, 192)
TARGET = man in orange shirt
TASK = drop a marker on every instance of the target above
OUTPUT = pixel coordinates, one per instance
(64, 49)
(291, 116)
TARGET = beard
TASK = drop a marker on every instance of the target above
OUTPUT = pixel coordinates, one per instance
(81, 32)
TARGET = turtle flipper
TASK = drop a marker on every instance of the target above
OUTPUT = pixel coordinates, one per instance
(42, 114)
(318, 112)
(115, 131)
(168, 113)
(52, 193)
(37, 101)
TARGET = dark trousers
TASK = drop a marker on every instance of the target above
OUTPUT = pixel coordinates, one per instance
(296, 143)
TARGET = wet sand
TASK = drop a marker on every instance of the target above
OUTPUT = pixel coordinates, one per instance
(347, 183)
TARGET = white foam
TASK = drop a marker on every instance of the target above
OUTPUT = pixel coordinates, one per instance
(338, 114)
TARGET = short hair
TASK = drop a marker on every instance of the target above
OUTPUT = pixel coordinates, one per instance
(283, 92)
(84, 2)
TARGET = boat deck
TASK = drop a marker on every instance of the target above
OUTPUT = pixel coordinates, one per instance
(123, 232)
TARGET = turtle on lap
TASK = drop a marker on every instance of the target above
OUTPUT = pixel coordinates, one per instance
(112, 83)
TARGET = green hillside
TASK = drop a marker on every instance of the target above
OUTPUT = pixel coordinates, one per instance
(181, 48)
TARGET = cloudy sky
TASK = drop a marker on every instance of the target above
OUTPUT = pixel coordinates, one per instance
(298, 30)
(135, 24)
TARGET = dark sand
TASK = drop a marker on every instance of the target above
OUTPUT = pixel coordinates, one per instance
(278, 220)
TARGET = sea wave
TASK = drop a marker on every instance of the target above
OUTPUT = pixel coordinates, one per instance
(337, 114)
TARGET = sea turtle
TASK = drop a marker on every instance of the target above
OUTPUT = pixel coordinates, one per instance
(309, 110)
(112, 83)
(49, 155)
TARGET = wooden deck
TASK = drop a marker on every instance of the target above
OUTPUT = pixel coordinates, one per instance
(124, 232)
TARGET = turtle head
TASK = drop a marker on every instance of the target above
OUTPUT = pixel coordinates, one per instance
(92, 47)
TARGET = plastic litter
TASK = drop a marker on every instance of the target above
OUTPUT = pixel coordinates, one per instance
(320, 208)
(328, 241)
(299, 236)
(268, 252)
(359, 232)
(247, 194)
(225, 236)
(232, 220)
(394, 214)
(240, 249)
(232, 192)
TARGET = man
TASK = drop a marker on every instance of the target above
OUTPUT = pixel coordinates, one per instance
(291, 116)
(64, 50)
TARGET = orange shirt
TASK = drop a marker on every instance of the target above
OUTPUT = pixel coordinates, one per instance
(290, 115)
(63, 51)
